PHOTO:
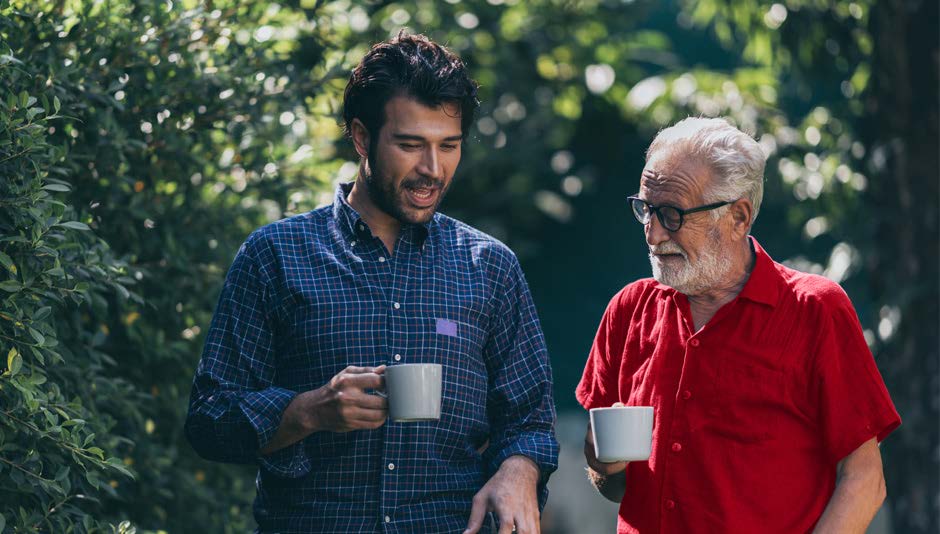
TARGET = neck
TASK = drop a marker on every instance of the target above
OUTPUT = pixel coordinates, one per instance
(383, 225)
(705, 304)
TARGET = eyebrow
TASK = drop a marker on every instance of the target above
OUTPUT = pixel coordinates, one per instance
(409, 137)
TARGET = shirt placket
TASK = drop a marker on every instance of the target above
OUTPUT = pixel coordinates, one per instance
(682, 374)
(400, 309)
(690, 376)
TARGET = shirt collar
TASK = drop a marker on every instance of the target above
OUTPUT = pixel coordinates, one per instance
(763, 285)
(352, 224)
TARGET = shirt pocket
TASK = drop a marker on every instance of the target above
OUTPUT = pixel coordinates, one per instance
(750, 398)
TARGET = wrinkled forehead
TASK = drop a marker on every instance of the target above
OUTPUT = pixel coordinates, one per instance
(675, 179)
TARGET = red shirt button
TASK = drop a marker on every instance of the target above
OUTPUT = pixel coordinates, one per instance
(670, 504)
(694, 342)
(686, 395)
(676, 447)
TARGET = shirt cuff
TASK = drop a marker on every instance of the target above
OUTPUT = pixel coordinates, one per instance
(264, 410)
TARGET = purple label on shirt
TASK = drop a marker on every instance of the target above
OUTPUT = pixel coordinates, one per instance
(447, 328)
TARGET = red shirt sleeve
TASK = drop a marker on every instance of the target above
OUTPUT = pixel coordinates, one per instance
(598, 387)
(852, 400)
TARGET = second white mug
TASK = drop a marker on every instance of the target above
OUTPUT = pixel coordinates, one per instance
(622, 433)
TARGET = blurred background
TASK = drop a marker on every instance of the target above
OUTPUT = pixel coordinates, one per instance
(142, 140)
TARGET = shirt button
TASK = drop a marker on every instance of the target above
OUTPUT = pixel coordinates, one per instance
(398, 357)
(670, 504)
(352, 244)
(396, 305)
(381, 259)
(694, 342)
(388, 519)
(686, 395)
(676, 447)
(391, 467)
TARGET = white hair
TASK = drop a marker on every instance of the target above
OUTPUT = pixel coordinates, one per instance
(735, 158)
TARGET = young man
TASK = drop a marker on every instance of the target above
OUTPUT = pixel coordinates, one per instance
(315, 307)
(768, 404)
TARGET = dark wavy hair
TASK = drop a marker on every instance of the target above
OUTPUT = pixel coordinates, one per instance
(413, 66)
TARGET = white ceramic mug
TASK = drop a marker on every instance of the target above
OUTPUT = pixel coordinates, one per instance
(414, 391)
(622, 433)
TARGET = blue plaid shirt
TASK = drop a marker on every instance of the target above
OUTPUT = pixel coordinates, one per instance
(310, 295)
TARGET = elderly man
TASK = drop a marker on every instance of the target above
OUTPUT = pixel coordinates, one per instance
(316, 306)
(768, 404)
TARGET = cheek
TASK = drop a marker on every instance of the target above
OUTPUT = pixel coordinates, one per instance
(395, 165)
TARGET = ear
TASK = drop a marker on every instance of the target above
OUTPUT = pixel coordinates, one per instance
(360, 137)
(741, 213)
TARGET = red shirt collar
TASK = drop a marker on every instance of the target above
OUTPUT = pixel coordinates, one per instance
(762, 286)
(764, 283)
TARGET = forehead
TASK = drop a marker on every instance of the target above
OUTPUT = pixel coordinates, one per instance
(407, 116)
(676, 180)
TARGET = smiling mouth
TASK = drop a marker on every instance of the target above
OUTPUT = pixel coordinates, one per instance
(422, 197)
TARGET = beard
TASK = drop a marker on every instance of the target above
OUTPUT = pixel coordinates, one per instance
(689, 278)
(391, 197)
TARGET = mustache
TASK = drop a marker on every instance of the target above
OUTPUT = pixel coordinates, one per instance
(668, 247)
(423, 183)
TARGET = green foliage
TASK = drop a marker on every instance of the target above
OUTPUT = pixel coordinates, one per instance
(113, 245)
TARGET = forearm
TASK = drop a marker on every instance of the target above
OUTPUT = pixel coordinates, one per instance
(612, 487)
(295, 425)
(852, 507)
(860, 491)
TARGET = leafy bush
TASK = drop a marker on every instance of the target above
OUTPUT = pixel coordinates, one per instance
(137, 150)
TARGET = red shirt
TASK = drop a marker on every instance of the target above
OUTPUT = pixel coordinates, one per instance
(752, 412)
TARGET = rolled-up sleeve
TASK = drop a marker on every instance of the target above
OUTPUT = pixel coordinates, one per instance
(520, 403)
(235, 407)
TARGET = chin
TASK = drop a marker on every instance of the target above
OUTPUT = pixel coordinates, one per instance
(409, 215)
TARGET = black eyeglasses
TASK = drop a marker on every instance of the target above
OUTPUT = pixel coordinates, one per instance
(670, 217)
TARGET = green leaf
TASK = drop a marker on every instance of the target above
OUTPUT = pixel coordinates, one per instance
(40, 339)
(56, 271)
(75, 225)
(11, 286)
(5, 260)
(14, 361)
(42, 313)
(56, 105)
(97, 452)
(57, 187)
(3, 523)
(62, 472)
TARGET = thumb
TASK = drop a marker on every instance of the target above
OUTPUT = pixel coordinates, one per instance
(618, 405)
(477, 513)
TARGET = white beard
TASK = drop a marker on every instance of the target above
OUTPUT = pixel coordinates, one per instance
(706, 273)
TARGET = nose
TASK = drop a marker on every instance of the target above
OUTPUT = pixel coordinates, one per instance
(430, 164)
(655, 233)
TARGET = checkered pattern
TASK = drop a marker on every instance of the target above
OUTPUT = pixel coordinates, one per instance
(307, 296)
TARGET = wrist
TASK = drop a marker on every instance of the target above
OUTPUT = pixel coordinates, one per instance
(521, 466)
(304, 413)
